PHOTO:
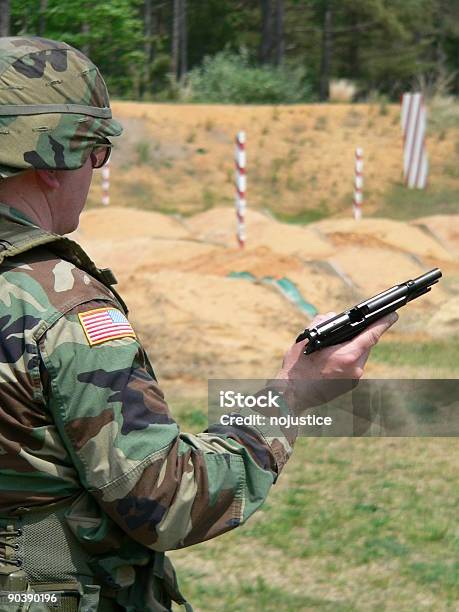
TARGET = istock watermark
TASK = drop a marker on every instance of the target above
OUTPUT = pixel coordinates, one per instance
(268, 399)
(255, 420)
(236, 399)
(372, 408)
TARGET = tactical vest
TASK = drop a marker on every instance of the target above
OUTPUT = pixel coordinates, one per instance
(36, 543)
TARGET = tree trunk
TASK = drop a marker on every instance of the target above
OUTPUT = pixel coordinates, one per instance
(266, 45)
(42, 17)
(86, 31)
(354, 48)
(440, 56)
(327, 50)
(457, 68)
(147, 32)
(161, 22)
(280, 43)
(85, 28)
(175, 39)
(4, 17)
(183, 41)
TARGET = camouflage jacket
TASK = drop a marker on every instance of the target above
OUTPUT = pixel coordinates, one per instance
(86, 420)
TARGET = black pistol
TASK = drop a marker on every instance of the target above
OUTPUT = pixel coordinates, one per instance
(351, 322)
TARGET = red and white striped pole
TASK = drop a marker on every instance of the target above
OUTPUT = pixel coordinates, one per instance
(414, 121)
(106, 184)
(241, 185)
(358, 184)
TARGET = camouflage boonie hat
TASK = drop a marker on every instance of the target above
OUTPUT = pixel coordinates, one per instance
(54, 106)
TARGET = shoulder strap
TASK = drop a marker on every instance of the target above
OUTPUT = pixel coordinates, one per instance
(16, 239)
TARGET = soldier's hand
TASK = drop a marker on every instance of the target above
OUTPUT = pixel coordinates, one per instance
(329, 372)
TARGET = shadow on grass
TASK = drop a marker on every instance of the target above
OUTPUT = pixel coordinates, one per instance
(303, 217)
(405, 204)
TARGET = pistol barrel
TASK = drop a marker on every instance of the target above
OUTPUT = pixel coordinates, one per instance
(427, 279)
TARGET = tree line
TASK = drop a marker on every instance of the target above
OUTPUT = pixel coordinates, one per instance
(154, 49)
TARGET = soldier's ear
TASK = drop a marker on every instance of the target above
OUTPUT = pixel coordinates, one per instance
(49, 178)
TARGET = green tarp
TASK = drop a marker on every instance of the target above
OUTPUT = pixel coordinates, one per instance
(285, 286)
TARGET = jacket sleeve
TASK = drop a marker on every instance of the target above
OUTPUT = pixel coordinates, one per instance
(166, 489)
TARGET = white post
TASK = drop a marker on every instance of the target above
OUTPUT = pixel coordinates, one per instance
(358, 184)
(241, 186)
(106, 184)
(414, 121)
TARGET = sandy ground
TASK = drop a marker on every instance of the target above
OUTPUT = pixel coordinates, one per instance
(197, 323)
(173, 268)
(180, 157)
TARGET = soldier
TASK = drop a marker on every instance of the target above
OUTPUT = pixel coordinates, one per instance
(97, 480)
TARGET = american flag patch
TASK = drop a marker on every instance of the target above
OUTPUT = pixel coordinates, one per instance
(103, 324)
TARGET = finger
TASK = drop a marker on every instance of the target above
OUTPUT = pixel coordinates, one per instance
(371, 335)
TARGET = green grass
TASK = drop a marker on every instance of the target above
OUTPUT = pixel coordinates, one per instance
(443, 116)
(193, 419)
(440, 354)
(452, 169)
(256, 596)
(352, 525)
(142, 149)
(141, 195)
(209, 198)
(303, 217)
(405, 204)
(321, 123)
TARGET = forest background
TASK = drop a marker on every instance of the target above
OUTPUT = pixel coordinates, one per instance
(254, 51)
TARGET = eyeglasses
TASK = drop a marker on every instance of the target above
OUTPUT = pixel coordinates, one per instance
(100, 155)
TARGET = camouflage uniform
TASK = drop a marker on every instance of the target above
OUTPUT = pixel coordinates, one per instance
(92, 464)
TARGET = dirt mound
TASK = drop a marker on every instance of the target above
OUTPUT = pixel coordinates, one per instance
(116, 222)
(198, 323)
(293, 239)
(260, 262)
(445, 321)
(219, 225)
(394, 234)
(321, 286)
(443, 228)
(199, 326)
(148, 254)
(374, 269)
